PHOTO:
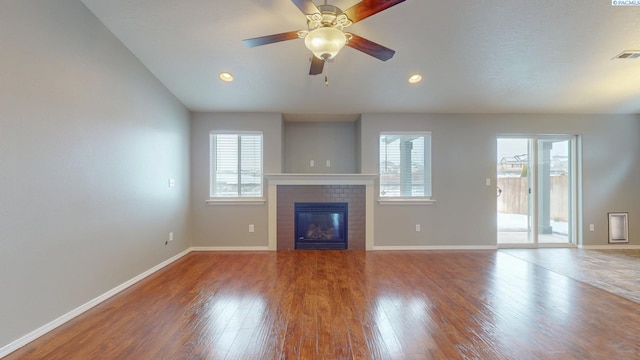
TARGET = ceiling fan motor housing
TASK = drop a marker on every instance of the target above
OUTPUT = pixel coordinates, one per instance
(329, 16)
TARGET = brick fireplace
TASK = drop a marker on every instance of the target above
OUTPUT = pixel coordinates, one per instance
(354, 189)
(352, 195)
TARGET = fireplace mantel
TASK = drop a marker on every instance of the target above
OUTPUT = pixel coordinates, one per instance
(320, 179)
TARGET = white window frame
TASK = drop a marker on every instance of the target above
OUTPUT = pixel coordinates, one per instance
(428, 174)
(239, 199)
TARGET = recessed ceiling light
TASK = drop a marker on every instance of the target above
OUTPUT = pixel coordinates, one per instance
(416, 78)
(225, 76)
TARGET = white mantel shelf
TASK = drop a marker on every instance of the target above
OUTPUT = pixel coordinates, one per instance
(274, 180)
(321, 179)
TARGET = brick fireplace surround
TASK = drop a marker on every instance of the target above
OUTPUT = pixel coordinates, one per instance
(354, 189)
(353, 195)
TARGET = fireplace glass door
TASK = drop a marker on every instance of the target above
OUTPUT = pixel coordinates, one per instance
(321, 225)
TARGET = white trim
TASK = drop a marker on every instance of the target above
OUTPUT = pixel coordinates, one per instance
(545, 245)
(230, 248)
(368, 213)
(518, 246)
(418, 132)
(537, 246)
(435, 247)
(272, 216)
(236, 201)
(321, 179)
(405, 201)
(234, 132)
(609, 247)
(24, 340)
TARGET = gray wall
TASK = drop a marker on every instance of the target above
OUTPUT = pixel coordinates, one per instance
(320, 141)
(465, 210)
(464, 155)
(227, 225)
(88, 140)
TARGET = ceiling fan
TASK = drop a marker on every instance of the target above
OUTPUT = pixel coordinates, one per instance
(325, 36)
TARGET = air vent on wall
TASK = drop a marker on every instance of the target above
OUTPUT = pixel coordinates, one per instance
(628, 54)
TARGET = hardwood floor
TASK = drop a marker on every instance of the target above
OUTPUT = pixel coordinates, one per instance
(615, 271)
(351, 305)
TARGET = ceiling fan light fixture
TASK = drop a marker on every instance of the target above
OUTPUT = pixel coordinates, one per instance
(325, 42)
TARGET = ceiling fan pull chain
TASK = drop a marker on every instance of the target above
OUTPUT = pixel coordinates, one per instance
(326, 73)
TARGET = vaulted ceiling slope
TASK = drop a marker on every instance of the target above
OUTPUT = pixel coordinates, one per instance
(480, 56)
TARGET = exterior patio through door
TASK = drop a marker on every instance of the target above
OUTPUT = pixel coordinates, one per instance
(536, 191)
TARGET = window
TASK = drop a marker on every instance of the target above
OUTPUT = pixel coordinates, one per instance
(236, 165)
(405, 165)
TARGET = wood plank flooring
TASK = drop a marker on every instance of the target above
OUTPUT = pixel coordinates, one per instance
(615, 271)
(351, 305)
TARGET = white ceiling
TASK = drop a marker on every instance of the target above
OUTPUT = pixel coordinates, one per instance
(476, 56)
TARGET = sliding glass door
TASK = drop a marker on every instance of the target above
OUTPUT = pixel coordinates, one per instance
(536, 190)
(555, 191)
(514, 196)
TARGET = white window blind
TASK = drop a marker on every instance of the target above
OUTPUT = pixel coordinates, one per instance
(236, 165)
(405, 164)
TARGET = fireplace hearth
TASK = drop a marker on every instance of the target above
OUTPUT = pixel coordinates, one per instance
(321, 226)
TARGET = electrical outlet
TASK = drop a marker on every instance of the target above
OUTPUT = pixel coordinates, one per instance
(328, 163)
(592, 227)
(417, 227)
(312, 163)
(171, 236)
(251, 228)
(172, 183)
(488, 182)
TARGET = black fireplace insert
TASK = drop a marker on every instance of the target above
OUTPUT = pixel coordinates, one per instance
(321, 225)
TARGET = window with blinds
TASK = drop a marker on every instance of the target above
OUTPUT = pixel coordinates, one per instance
(405, 164)
(236, 165)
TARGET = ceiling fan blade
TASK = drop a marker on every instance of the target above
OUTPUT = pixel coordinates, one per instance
(264, 40)
(317, 65)
(306, 6)
(366, 8)
(369, 47)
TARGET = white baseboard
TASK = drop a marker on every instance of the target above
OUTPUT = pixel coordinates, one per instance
(17, 344)
(537, 246)
(437, 247)
(230, 248)
(609, 247)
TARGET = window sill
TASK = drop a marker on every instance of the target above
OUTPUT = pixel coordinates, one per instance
(236, 201)
(405, 201)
